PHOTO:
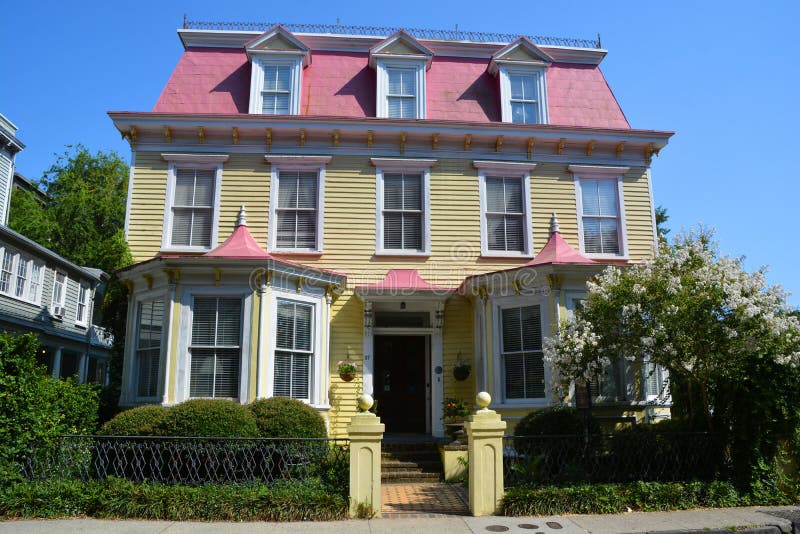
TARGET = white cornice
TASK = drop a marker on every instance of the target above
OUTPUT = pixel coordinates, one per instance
(196, 158)
(404, 163)
(597, 169)
(508, 166)
(362, 44)
(295, 160)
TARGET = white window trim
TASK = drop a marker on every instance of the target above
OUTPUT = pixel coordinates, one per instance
(382, 103)
(191, 161)
(539, 73)
(397, 165)
(317, 374)
(85, 320)
(132, 381)
(498, 368)
(296, 163)
(509, 169)
(282, 58)
(666, 397)
(183, 372)
(12, 283)
(591, 172)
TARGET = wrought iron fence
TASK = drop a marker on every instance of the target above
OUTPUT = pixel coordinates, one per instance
(623, 457)
(191, 460)
(384, 31)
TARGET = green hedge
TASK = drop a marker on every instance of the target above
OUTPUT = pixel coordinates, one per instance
(638, 496)
(279, 417)
(208, 418)
(139, 421)
(121, 499)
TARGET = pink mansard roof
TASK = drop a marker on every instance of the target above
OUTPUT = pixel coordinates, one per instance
(341, 84)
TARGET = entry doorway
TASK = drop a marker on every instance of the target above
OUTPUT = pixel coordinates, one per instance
(401, 382)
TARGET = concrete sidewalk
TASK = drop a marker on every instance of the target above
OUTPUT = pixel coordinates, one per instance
(691, 520)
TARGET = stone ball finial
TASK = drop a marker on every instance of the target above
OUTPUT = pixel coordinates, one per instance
(365, 402)
(241, 219)
(554, 224)
(483, 399)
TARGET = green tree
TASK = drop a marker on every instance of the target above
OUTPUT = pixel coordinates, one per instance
(83, 219)
(661, 221)
(730, 342)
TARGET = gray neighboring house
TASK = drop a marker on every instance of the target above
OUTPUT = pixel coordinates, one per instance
(43, 293)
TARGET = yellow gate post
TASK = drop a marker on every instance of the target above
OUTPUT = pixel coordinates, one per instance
(485, 432)
(366, 433)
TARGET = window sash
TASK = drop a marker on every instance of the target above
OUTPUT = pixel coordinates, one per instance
(401, 93)
(150, 319)
(193, 207)
(22, 277)
(521, 352)
(505, 214)
(296, 212)
(215, 347)
(402, 212)
(600, 217)
(6, 271)
(277, 91)
(80, 315)
(294, 350)
(35, 282)
(59, 286)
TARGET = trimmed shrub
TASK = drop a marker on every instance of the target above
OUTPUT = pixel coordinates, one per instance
(139, 421)
(560, 420)
(208, 418)
(121, 499)
(279, 417)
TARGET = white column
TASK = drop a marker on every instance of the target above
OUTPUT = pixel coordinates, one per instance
(325, 363)
(369, 357)
(83, 364)
(57, 363)
(437, 362)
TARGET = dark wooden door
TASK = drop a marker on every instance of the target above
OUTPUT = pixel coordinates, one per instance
(399, 382)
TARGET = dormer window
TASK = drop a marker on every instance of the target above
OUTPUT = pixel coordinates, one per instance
(277, 59)
(521, 67)
(401, 62)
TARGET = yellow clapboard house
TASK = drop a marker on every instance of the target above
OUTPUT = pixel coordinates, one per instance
(409, 203)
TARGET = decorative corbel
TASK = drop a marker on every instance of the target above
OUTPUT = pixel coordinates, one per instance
(368, 318)
(217, 275)
(530, 147)
(517, 286)
(148, 278)
(648, 152)
(201, 134)
(483, 293)
(560, 146)
(168, 134)
(467, 141)
(173, 275)
(335, 137)
(435, 141)
(438, 317)
(299, 283)
(269, 139)
(235, 134)
(129, 286)
(132, 136)
(403, 138)
(302, 137)
(498, 143)
(554, 280)
(589, 148)
(330, 293)
(370, 138)
(620, 148)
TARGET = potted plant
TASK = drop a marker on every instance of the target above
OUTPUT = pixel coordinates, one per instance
(461, 369)
(455, 412)
(347, 370)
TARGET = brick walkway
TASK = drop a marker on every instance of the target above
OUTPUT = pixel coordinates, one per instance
(423, 500)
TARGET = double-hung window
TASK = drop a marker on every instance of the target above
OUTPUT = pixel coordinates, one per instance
(505, 210)
(401, 89)
(277, 90)
(403, 205)
(82, 309)
(35, 282)
(59, 291)
(191, 212)
(600, 207)
(7, 272)
(294, 350)
(215, 347)
(296, 204)
(521, 353)
(22, 277)
(277, 59)
(523, 95)
(149, 318)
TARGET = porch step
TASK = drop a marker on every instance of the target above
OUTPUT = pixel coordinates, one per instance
(410, 462)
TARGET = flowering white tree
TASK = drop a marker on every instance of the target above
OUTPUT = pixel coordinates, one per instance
(730, 341)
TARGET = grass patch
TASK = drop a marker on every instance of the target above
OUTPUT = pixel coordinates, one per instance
(122, 499)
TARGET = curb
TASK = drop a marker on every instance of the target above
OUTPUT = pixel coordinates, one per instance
(767, 529)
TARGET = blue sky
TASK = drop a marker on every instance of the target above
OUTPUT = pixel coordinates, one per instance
(722, 75)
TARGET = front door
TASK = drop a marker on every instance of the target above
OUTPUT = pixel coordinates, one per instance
(399, 382)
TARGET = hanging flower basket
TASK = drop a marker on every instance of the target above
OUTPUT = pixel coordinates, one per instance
(347, 370)
(461, 371)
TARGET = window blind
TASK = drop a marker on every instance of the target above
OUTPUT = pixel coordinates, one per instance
(193, 207)
(215, 347)
(150, 317)
(277, 89)
(600, 216)
(401, 93)
(296, 211)
(505, 218)
(522, 352)
(293, 350)
(402, 212)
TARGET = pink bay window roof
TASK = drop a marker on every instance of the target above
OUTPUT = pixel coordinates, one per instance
(403, 281)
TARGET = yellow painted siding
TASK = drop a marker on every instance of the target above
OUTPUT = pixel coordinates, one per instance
(458, 337)
(346, 339)
(638, 215)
